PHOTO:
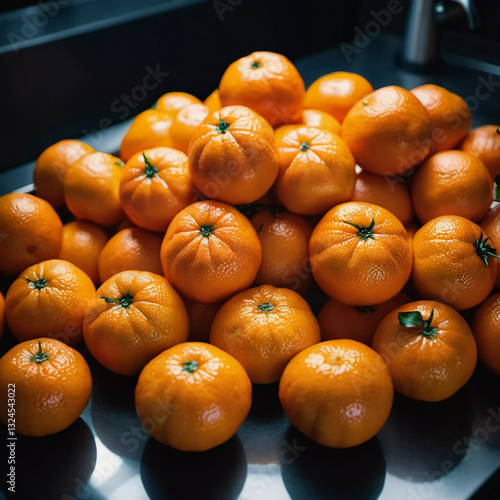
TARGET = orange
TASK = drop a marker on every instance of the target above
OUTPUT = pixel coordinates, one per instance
(172, 102)
(193, 396)
(264, 328)
(133, 317)
(185, 123)
(267, 83)
(450, 116)
(51, 166)
(212, 102)
(91, 189)
(210, 252)
(317, 170)
(30, 231)
(201, 317)
(452, 183)
(155, 185)
(232, 156)
(150, 129)
(490, 224)
(360, 254)
(429, 349)
(338, 393)
(484, 142)
(52, 387)
(486, 330)
(340, 321)
(284, 238)
(131, 248)
(82, 243)
(2, 314)
(49, 300)
(388, 131)
(321, 119)
(454, 262)
(386, 192)
(336, 93)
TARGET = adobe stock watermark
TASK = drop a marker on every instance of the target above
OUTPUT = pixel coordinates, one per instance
(485, 87)
(131, 439)
(33, 23)
(123, 105)
(465, 447)
(222, 7)
(363, 37)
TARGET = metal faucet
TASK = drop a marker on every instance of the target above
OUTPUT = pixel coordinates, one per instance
(420, 50)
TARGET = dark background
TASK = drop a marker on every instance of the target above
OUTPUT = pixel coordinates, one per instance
(62, 80)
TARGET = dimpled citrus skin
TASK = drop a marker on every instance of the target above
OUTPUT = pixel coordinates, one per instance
(446, 266)
(55, 309)
(338, 393)
(490, 224)
(172, 102)
(388, 131)
(452, 183)
(385, 192)
(150, 129)
(355, 271)
(321, 119)
(267, 83)
(82, 243)
(49, 396)
(336, 93)
(340, 321)
(30, 229)
(427, 369)
(264, 342)
(185, 123)
(212, 102)
(284, 238)
(317, 170)
(51, 167)
(210, 268)
(131, 248)
(92, 189)
(124, 339)
(486, 329)
(151, 201)
(238, 164)
(193, 411)
(484, 143)
(450, 116)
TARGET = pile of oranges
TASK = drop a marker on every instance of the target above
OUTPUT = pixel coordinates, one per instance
(206, 233)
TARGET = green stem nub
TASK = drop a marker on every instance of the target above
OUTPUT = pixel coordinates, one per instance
(125, 301)
(40, 356)
(223, 126)
(498, 130)
(190, 366)
(151, 170)
(256, 65)
(364, 232)
(266, 307)
(484, 250)
(206, 230)
(365, 309)
(38, 284)
(414, 319)
(304, 146)
(119, 163)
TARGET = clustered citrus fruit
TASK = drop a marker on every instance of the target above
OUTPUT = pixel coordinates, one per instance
(219, 229)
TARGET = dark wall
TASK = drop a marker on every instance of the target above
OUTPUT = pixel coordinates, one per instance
(73, 86)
